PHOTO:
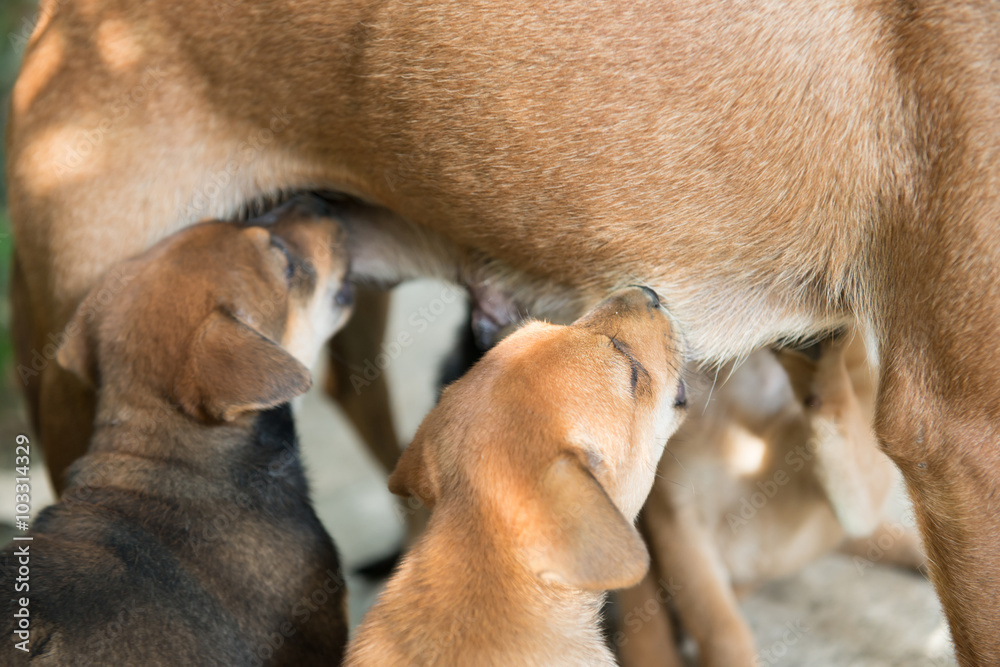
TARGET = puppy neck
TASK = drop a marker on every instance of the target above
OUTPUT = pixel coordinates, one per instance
(466, 574)
(139, 423)
(134, 442)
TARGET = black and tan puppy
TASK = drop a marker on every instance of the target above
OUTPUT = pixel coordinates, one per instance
(186, 536)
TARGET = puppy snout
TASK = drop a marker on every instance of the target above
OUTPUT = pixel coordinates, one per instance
(311, 205)
(636, 298)
(653, 297)
(304, 205)
(629, 307)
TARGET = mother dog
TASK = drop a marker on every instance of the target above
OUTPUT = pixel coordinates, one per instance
(772, 169)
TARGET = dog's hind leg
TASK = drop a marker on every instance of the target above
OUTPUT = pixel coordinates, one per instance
(24, 337)
(645, 637)
(356, 380)
(60, 406)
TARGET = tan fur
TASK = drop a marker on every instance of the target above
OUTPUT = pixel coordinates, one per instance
(772, 170)
(534, 465)
(745, 495)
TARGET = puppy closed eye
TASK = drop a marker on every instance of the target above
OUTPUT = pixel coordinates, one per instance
(297, 272)
(290, 263)
(636, 369)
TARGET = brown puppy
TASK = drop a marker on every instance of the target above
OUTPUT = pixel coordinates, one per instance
(186, 536)
(771, 170)
(535, 464)
(777, 469)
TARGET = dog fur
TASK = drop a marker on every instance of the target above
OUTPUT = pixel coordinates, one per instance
(772, 171)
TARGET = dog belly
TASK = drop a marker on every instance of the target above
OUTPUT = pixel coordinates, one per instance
(742, 191)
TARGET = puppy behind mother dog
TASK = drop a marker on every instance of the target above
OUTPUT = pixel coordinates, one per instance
(771, 170)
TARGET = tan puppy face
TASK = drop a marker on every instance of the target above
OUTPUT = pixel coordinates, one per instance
(555, 436)
(315, 269)
(222, 318)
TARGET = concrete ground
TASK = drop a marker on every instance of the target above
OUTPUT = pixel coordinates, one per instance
(836, 613)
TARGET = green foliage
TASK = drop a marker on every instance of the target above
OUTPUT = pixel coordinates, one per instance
(16, 22)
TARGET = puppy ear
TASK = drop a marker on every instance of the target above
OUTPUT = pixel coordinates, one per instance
(232, 369)
(412, 477)
(589, 543)
(75, 353)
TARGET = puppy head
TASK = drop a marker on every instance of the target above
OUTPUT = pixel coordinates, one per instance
(554, 438)
(220, 319)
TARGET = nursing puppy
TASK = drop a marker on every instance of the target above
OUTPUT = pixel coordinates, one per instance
(186, 536)
(534, 464)
(779, 468)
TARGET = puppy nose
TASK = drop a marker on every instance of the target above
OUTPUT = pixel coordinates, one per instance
(345, 296)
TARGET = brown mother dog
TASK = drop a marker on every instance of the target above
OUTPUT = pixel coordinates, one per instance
(771, 171)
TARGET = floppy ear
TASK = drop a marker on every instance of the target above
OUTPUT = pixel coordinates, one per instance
(589, 544)
(75, 352)
(412, 477)
(232, 369)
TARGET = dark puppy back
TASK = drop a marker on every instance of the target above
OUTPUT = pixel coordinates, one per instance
(197, 567)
